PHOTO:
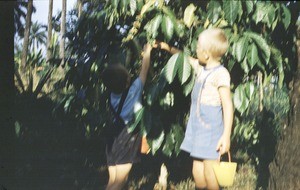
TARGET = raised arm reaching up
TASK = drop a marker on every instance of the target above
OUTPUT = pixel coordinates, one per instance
(172, 50)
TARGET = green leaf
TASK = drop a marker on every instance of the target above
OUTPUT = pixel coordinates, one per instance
(261, 43)
(184, 69)
(137, 118)
(147, 121)
(214, 10)
(146, 7)
(169, 144)
(171, 67)
(167, 27)
(241, 48)
(123, 5)
(115, 3)
(132, 6)
(231, 63)
(17, 128)
(231, 9)
(178, 132)
(240, 99)
(286, 16)
(169, 12)
(249, 6)
(253, 56)
(156, 89)
(189, 15)
(250, 87)
(260, 12)
(245, 66)
(155, 24)
(188, 87)
(178, 25)
(271, 15)
(179, 29)
(156, 143)
(276, 59)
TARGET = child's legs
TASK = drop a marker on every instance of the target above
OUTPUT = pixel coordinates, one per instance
(121, 175)
(112, 172)
(209, 173)
(198, 174)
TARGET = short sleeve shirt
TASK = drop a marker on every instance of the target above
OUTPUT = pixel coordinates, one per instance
(210, 92)
(132, 102)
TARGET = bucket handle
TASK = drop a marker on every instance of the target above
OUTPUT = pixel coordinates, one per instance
(229, 156)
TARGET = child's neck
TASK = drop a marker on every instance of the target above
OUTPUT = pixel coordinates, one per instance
(212, 63)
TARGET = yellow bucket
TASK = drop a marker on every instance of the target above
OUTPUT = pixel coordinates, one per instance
(225, 172)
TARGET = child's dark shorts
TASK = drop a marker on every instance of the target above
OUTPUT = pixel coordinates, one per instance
(123, 148)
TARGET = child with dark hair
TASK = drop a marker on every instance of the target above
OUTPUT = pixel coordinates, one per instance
(123, 147)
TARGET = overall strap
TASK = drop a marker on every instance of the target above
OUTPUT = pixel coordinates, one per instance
(200, 92)
(214, 69)
(120, 106)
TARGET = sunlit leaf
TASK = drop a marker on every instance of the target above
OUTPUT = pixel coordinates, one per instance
(252, 56)
(189, 15)
(169, 144)
(250, 87)
(244, 66)
(271, 15)
(231, 9)
(132, 6)
(123, 5)
(137, 118)
(115, 3)
(167, 27)
(156, 143)
(214, 10)
(188, 87)
(261, 43)
(240, 99)
(171, 67)
(146, 7)
(241, 48)
(155, 23)
(260, 12)
(184, 69)
(249, 6)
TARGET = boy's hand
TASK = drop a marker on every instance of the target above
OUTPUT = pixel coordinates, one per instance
(223, 144)
(161, 45)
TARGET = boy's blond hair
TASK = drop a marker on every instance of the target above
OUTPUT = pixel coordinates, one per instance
(214, 41)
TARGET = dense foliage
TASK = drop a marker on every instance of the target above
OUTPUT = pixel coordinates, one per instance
(261, 60)
(258, 60)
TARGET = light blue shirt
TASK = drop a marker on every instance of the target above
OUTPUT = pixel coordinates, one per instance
(132, 102)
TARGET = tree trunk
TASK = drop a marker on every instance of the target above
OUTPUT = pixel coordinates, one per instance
(63, 30)
(79, 7)
(26, 41)
(49, 29)
(26, 34)
(285, 169)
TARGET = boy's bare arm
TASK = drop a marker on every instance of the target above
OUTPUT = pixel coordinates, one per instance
(224, 143)
(193, 61)
(145, 63)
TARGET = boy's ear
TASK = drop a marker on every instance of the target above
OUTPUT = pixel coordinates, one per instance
(206, 55)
